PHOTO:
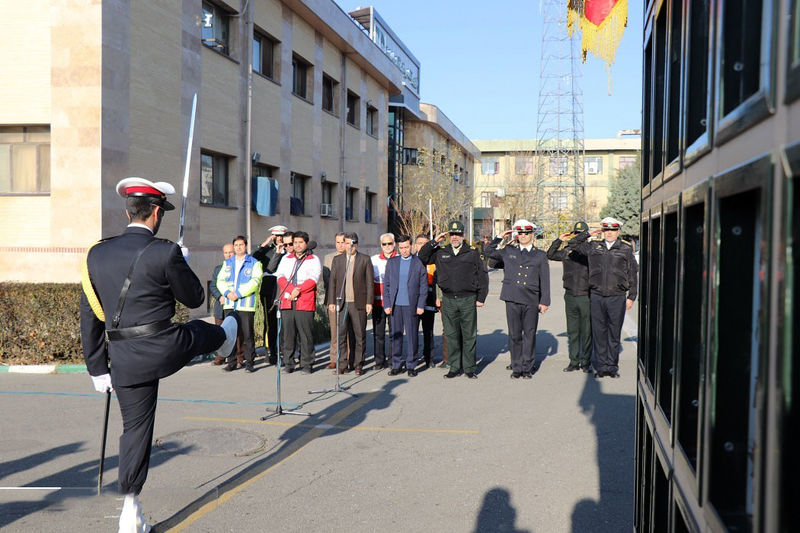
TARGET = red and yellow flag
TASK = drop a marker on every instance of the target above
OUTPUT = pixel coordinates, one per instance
(602, 23)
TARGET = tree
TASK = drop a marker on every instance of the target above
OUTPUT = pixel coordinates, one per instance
(624, 198)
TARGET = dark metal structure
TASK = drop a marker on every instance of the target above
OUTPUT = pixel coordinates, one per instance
(719, 324)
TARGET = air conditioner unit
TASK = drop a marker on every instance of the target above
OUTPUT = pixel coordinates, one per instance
(326, 210)
(591, 167)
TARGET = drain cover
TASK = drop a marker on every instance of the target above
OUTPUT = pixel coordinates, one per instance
(211, 442)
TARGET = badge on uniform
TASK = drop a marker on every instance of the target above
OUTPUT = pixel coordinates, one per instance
(248, 271)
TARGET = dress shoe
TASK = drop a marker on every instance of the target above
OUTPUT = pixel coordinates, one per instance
(451, 375)
(612, 374)
(228, 368)
(306, 370)
(381, 366)
(359, 371)
(508, 367)
(516, 375)
(249, 369)
(587, 369)
(571, 368)
(600, 374)
(332, 365)
(412, 373)
(395, 371)
(472, 375)
(527, 375)
(288, 369)
(218, 361)
(131, 519)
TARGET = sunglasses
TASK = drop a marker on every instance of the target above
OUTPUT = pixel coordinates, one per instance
(524, 232)
(387, 244)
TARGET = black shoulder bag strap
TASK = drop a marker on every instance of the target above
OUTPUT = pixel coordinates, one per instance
(126, 286)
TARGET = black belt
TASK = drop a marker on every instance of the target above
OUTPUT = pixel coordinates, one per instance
(133, 332)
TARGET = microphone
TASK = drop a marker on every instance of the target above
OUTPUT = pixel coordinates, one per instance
(311, 246)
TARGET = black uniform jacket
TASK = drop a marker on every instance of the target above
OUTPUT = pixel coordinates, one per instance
(611, 271)
(161, 277)
(269, 283)
(576, 268)
(457, 275)
(526, 278)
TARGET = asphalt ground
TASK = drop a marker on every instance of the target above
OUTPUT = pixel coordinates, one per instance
(555, 453)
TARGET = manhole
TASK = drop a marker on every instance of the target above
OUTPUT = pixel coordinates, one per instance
(211, 442)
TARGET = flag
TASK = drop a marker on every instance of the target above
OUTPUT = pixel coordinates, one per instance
(602, 23)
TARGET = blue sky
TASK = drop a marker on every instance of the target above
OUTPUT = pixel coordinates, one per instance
(480, 65)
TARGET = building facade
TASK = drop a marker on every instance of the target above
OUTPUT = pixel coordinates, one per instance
(291, 124)
(506, 188)
(717, 377)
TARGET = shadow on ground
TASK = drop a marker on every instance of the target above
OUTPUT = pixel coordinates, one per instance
(497, 515)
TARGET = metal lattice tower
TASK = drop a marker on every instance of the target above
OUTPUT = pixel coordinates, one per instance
(559, 185)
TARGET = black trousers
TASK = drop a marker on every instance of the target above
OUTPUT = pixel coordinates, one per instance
(246, 334)
(427, 319)
(523, 319)
(298, 324)
(405, 321)
(352, 320)
(608, 313)
(379, 334)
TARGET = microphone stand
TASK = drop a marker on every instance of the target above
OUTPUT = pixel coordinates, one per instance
(279, 410)
(338, 387)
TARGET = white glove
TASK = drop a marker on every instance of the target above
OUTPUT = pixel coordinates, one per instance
(185, 252)
(102, 383)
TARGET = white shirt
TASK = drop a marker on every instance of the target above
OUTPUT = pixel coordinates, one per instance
(609, 244)
(238, 266)
(526, 248)
(137, 225)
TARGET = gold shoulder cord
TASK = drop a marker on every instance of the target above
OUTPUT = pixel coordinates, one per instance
(88, 289)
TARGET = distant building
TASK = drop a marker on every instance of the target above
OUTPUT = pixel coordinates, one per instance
(508, 165)
(97, 91)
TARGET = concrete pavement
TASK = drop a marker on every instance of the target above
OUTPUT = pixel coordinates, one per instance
(407, 454)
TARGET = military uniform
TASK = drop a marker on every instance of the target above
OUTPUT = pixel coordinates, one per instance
(138, 341)
(526, 285)
(576, 302)
(613, 278)
(268, 293)
(463, 279)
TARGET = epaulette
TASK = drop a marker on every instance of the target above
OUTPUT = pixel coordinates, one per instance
(597, 239)
(629, 243)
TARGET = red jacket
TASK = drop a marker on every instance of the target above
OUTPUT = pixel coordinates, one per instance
(307, 276)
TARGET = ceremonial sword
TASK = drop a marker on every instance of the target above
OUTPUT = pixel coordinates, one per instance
(186, 172)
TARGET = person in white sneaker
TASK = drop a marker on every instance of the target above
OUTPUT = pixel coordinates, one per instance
(130, 285)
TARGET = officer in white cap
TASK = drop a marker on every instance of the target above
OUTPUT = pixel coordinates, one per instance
(526, 292)
(613, 282)
(269, 287)
(130, 285)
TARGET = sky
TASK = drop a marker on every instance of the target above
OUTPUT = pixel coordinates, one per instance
(480, 65)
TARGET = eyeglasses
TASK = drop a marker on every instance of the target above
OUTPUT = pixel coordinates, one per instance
(387, 244)
(524, 232)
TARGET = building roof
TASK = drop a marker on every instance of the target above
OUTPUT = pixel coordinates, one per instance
(434, 116)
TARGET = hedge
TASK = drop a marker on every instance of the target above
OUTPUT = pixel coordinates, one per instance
(40, 323)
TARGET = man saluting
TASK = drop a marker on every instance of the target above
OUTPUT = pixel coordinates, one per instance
(130, 285)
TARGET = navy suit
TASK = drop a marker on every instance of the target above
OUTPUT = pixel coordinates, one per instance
(404, 317)
(160, 278)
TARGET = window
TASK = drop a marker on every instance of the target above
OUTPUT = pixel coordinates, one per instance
(487, 198)
(215, 26)
(697, 70)
(24, 159)
(264, 190)
(674, 89)
(264, 55)
(523, 166)
(328, 196)
(443, 164)
(369, 207)
(659, 69)
(409, 156)
(297, 203)
(558, 200)
(352, 204)
(741, 52)
(372, 120)
(593, 165)
(352, 108)
(626, 161)
(490, 165)
(213, 179)
(330, 88)
(558, 165)
(301, 71)
(466, 177)
(456, 173)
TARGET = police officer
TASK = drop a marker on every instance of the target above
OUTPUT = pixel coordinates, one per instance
(464, 281)
(269, 290)
(129, 290)
(526, 291)
(613, 273)
(576, 300)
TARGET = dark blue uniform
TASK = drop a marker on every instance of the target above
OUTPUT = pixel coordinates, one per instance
(613, 278)
(526, 285)
(137, 363)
